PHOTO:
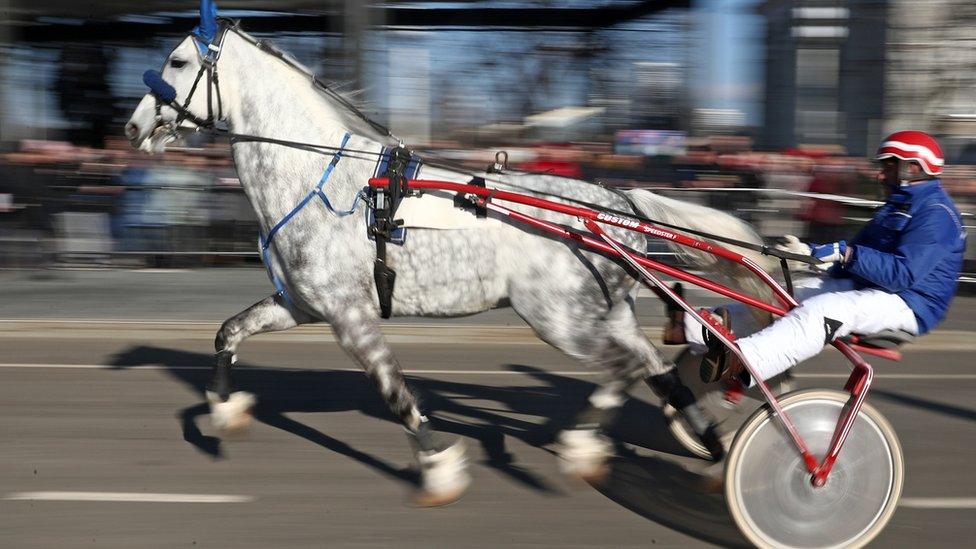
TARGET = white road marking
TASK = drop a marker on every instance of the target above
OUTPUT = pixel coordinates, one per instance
(137, 497)
(140, 497)
(890, 376)
(155, 367)
(938, 503)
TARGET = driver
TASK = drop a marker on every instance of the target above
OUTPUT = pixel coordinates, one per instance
(899, 273)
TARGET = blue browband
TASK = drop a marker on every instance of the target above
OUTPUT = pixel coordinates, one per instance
(265, 241)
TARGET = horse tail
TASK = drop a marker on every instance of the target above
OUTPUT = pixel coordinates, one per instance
(709, 220)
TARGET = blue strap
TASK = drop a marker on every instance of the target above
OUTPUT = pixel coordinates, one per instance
(278, 284)
(265, 241)
(343, 213)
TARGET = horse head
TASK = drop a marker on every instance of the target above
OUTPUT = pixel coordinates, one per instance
(185, 93)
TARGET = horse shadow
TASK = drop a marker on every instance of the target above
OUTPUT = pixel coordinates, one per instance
(665, 493)
(484, 413)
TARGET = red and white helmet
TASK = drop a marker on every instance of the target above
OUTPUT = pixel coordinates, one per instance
(914, 146)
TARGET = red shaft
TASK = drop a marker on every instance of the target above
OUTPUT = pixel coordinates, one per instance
(627, 223)
(649, 263)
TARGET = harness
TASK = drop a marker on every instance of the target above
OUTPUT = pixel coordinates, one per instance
(264, 241)
(395, 163)
(385, 203)
(397, 234)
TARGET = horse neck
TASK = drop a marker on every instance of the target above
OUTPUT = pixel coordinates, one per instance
(267, 98)
(272, 99)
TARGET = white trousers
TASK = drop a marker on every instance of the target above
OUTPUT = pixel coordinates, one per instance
(829, 308)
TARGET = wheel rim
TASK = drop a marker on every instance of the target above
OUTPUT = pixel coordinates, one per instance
(770, 492)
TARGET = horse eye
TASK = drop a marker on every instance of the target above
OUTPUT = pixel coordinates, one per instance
(177, 63)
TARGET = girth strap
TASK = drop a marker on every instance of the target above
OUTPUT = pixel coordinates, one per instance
(396, 164)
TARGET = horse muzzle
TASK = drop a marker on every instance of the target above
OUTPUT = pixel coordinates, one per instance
(145, 130)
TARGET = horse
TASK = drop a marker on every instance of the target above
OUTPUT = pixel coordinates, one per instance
(579, 301)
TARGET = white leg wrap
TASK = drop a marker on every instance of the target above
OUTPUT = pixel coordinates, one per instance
(444, 474)
(583, 452)
(233, 415)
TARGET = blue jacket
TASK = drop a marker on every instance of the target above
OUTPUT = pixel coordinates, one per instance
(913, 247)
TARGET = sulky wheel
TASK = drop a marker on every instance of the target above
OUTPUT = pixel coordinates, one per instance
(769, 490)
(711, 398)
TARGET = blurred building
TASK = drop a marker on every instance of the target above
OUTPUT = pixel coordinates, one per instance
(718, 121)
(824, 80)
(847, 72)
(659, 92)
(931, 71)
(430, 69)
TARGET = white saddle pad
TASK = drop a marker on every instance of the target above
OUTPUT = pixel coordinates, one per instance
(436, 210)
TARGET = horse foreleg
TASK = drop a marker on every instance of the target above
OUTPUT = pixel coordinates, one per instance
(443, 467)
(229, 409)
(625, 353)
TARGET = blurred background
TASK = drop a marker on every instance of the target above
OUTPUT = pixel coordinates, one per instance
(116, 267)
(746, 105)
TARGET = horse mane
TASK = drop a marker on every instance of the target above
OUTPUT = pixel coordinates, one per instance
(346, 104)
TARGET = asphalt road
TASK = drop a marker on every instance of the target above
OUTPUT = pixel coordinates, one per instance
(113, 404)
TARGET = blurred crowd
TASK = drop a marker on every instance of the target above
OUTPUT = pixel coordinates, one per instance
(114, 205)
(73, 204)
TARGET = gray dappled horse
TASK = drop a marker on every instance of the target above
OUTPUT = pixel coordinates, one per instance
(579, 301)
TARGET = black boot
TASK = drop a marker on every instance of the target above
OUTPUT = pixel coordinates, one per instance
(674, 325)
(669, 387)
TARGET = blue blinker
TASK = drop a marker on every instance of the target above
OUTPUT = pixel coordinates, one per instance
(159, 87)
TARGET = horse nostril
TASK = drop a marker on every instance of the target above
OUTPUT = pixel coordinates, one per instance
(131, 130)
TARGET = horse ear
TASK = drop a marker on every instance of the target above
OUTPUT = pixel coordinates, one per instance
(207, 29)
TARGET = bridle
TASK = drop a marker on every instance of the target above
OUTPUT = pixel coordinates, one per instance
(165, 94)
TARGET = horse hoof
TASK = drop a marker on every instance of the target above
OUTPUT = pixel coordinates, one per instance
(238, 427)
(596, 475)
(583, 455)
(233, 417)
(712, 479)
(424, 498)
(444, 476)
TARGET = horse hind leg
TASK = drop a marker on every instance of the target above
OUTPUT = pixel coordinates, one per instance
(618, 346)
(443, 467)
(641, 360)
(584, 449)
(230, 410)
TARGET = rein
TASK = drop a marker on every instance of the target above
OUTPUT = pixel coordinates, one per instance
(164, 93)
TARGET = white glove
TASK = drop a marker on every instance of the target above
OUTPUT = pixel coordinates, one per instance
(791, 244)
(828, 254)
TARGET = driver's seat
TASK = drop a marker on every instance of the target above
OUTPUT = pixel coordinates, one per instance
(884, 344)
(887, 339)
